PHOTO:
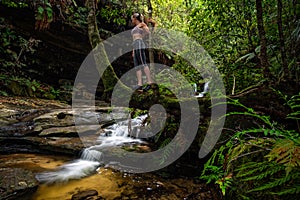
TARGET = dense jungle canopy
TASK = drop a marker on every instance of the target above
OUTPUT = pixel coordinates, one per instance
(255, 45)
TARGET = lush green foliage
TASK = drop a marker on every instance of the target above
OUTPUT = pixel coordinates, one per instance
(14, 48)
(19, 86)
(115, 16)
(228, 31)
(13, 4)
(77, 16)
(16, 52)
(44, 15)
(171, 14)
(259, 162)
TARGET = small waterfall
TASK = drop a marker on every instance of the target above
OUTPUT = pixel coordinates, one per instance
(206, 87)
(205, 90)
(91, 155)
(115, 135)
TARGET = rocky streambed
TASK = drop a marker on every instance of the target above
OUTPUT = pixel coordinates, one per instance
(40, 135)
(41, 126)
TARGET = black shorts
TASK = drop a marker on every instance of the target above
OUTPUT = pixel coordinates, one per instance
(139, 57)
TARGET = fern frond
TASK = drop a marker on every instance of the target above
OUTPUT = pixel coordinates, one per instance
(272, 184)
(265, 172)
(263, 118)
(294, 115)
(251, 168)
(294, 100)
(286, 153)
(169, 149)
(295, 105)
(165, 142)
(292, 190)
(249, 165)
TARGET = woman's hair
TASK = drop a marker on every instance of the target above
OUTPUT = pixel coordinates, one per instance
(138, 16)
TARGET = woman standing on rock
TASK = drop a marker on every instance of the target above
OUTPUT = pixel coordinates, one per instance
(139, 57)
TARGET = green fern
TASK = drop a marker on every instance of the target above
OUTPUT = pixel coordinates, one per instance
(292, 190)
(294, 115)
(165, 142)
(294, 104)
(280, 168)
(286, 153)
(263, 169)
(169, 149)
(276, 183)
(248, 112)
(214, 171)
(265, 159)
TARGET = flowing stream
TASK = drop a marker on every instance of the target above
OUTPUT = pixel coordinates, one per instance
(106, 181)
(115, 135)
(63, 177)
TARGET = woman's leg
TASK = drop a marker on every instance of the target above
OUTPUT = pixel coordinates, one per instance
(148, 75)
(139, 77)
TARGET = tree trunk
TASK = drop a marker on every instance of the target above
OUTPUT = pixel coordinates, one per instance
(109, 77)
(263, 41)
(281, 39)
(151, 54)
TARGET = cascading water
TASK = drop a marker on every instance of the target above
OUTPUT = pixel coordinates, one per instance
(91, 158)
(205, 90)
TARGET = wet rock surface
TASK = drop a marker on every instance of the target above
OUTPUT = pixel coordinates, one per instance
(16, 183)
(53, 145)
(88, 194)
(45, 126)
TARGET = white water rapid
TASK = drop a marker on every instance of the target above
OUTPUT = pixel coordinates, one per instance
(91, 158)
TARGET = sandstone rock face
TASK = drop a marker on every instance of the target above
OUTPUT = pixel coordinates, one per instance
(16, 183)
(42, 126)
(56, 118)
(5, 116)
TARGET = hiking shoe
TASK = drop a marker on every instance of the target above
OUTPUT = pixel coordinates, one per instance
(146, 88)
